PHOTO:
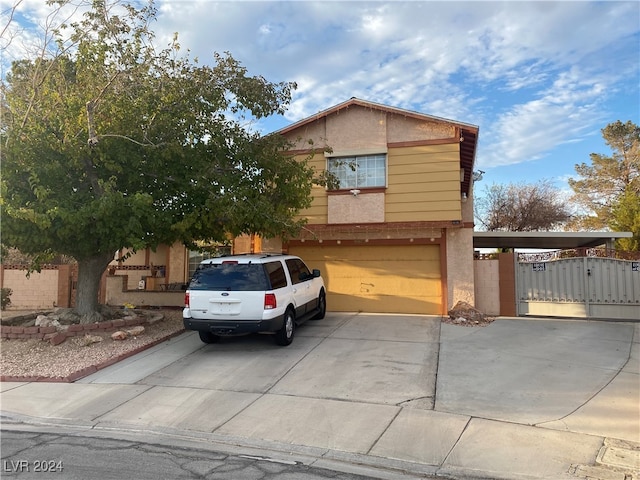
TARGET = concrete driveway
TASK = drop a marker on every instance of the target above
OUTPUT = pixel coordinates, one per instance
(516, 399)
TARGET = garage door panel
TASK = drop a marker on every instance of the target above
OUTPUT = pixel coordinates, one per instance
(382, 304)
(385, 279)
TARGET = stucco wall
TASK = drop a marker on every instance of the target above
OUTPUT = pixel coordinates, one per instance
(361, 208)
(460, 278)
(117, 294)
(487, 287)
(177, 269)
(357, 128)
(407, 129)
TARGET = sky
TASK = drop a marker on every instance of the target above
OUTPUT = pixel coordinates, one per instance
(540, 79)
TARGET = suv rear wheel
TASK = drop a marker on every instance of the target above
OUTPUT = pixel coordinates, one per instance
(284, 336)
(208, 337)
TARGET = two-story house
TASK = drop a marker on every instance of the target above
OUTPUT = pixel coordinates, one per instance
(397, 236)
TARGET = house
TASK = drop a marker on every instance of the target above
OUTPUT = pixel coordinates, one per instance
(397, 236)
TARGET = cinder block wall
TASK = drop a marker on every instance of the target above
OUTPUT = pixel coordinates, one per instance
(39, 291)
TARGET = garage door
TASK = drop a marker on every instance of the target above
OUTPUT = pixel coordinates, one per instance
(385, 279)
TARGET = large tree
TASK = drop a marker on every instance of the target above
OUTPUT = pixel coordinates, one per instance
(108, 143)
(608, 189)
(521, 207)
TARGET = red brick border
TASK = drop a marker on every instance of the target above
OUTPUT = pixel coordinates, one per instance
(74, 330)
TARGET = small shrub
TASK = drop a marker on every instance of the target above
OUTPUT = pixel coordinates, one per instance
(5, 298)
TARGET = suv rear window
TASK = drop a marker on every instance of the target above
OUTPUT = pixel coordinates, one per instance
(230, 276)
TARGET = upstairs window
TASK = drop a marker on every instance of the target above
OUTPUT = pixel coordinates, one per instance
(362, 171)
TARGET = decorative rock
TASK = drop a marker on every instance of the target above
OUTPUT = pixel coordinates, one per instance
(135, 331)
(67, 315)
(58, 338)
(466, 311)
(89, 339)
(465, 314)
(45, 321)
(119, 335)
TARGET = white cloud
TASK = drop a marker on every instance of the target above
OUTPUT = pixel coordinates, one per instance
(534, 75)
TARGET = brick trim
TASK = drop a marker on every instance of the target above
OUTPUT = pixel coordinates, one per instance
(75, 330)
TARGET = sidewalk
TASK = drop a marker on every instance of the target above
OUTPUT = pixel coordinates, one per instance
(395, 396)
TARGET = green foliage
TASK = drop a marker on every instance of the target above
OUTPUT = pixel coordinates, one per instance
(608, 189)
(5, 297)
(118, 145)
(625, 217)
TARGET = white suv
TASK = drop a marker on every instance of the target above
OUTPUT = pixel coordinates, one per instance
(253, 293)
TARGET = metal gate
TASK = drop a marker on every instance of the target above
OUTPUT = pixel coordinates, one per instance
(586, 287)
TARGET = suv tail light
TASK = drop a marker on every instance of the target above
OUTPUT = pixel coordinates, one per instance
(186, 300)
(270, 301)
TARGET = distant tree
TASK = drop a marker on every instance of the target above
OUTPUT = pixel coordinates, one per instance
(109, 144)
(521, 207)
(608, 190)
(625, 217)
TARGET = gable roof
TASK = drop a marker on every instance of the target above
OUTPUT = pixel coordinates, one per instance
(468, 132)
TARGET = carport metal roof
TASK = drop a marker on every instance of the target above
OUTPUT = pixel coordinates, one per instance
(546, 240)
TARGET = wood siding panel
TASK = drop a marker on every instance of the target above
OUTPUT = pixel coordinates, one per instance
(437, 206)
(317, 212)
(423, 184)
(446, 175)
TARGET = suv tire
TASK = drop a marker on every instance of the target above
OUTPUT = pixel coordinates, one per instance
(322, 306)
(208, 337)
(284, 336)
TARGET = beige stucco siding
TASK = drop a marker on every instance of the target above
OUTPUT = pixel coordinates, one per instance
(378, 278)
(357, 128)
(460, 280)
(406, 129)
(423, 184)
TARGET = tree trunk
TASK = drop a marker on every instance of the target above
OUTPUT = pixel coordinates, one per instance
(90, 272)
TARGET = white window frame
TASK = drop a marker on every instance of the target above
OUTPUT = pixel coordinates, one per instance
(341, 166)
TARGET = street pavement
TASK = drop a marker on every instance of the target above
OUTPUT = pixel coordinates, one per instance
(383, 396)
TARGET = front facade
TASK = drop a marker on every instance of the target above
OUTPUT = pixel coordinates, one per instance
(397, 236)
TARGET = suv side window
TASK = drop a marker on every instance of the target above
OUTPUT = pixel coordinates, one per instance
(275, 271)
(297, 270)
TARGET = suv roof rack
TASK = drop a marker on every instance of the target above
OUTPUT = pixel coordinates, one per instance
(257, 254)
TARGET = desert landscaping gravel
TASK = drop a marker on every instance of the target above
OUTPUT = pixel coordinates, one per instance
(39, 358)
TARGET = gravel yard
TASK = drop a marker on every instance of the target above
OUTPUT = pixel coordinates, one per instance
(33, 358)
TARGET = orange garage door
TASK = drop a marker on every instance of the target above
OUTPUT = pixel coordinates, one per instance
(385, 279)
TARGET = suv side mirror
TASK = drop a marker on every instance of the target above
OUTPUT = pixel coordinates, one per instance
(316, 273)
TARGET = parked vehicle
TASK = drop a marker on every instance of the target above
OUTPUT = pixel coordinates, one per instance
(262, 293)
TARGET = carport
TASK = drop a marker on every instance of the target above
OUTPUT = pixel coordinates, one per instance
(547, 240)
(585, 284)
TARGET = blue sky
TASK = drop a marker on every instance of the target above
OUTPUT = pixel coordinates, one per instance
(540, 79)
